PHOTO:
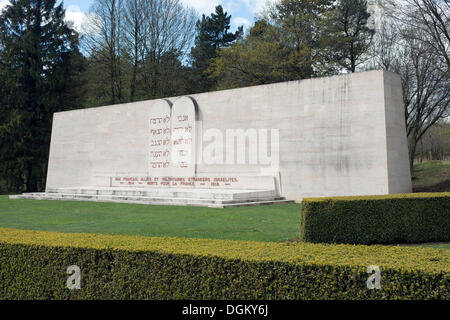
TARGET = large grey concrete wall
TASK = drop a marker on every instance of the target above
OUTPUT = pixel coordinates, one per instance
(397, 143)
(341, 135)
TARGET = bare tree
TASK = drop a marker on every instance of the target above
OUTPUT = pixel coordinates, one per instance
(130, 38)
(427, 93)
(135, 36)
(104, 42)
(404, 45)
(432, 18)
(170, 31)
(171, 27)
(435, 144)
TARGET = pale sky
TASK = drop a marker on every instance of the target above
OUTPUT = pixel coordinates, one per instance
(242, 11)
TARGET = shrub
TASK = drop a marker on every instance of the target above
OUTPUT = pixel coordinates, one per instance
(403, 218)
(33, 265)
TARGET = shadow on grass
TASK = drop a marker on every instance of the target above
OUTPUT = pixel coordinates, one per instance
(439, 187)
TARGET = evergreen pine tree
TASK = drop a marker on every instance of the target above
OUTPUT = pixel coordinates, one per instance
(347, 35)
(212, 35)
(41, 54)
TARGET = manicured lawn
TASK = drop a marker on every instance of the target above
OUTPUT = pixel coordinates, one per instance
(263, 223)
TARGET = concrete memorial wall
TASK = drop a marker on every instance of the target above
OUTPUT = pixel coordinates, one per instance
(341, 135)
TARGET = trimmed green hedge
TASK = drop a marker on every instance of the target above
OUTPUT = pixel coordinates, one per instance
(33, 265)
(401, 218)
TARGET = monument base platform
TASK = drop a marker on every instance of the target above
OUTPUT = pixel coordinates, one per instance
(213, 198)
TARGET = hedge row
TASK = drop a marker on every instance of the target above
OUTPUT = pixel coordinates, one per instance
(33, 265)
(401, 218)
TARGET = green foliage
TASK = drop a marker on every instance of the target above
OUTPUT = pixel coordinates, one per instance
(285, 45)
(297, 40)
(346, 34)
(408, 218)
(164, 77)
(257, 59)
(156, 77)
(40, 65)
(299, 23)
(34, 266)
(212, 35)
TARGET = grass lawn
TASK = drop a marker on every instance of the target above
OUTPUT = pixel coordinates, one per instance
(262, 223)
(432, 176)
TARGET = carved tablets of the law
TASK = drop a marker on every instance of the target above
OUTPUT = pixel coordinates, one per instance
(183, 157)
(160, 139)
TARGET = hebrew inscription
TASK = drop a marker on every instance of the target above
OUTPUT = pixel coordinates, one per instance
(172, 139)
(160, 133)
(183, 138)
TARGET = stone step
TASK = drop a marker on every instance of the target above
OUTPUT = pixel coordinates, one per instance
(249, 204)
(213, 203)
(224, 194)
(87, 197)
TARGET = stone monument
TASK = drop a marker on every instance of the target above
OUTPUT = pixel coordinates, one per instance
(333, 136)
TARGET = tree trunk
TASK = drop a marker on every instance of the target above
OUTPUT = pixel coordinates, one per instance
(412, 154)
(31, 180)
